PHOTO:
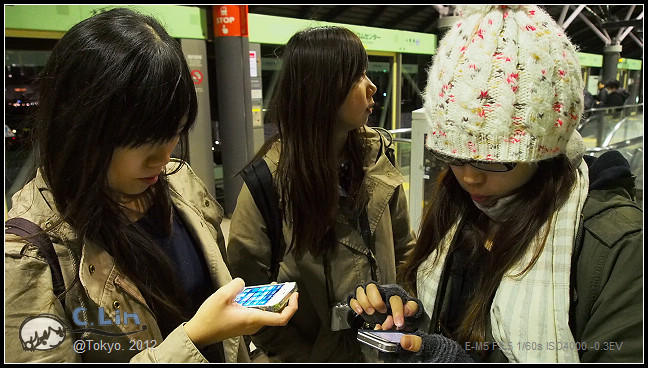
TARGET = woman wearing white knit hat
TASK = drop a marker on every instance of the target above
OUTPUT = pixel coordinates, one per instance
(528, 251)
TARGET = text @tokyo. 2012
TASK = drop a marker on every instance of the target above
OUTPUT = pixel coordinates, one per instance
(87, 345)
(547, 346)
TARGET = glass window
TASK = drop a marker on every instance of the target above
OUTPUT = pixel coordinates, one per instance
(24, 60)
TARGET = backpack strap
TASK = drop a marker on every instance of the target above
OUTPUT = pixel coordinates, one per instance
(35, 235)
(258, 179)
(388, 149)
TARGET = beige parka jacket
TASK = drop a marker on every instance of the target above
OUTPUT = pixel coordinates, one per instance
(99, 295)
(308, 336)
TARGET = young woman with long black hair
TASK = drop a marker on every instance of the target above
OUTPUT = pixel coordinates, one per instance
(344, 211)
(137, 234)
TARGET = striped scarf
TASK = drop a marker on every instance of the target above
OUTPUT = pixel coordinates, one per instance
(530, 313)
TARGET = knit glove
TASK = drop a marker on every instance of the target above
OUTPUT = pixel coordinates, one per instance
(386, 292)
(434, 349)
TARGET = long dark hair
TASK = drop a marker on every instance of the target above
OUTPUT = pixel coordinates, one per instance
(116, 79)
(535, 203)
(320, 66)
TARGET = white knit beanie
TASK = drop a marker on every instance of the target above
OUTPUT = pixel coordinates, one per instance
(504, 86)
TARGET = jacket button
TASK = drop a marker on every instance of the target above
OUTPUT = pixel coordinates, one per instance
(48, 224)
(116, 304)
(206, 203)
(91, 268)
(388, 175)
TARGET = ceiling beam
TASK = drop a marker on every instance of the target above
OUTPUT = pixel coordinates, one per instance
(442, 9)
(404, 15)
(635, 39)
(305, 12)
(429, 24)
(627, 30)
(627, 17)
(623, 24)
(334, 12)
(563, 14)
(376, 14)
(606, 38)
(572, 16)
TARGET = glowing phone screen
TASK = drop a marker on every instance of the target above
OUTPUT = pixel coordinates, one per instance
(256, 296)
(391, 336)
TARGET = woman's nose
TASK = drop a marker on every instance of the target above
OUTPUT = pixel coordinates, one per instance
(162, 154)
(472, 175)
(371, 89)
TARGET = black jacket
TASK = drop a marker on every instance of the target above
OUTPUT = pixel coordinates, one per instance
(606, 310)
(607, 279)
(616, 98)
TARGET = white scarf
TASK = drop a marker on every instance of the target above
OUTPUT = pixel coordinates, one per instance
(530, 313)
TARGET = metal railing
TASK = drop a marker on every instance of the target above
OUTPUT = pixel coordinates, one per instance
(603, 123)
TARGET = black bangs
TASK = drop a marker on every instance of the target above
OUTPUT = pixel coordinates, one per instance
(166, 100)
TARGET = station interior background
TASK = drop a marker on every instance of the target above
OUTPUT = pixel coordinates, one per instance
(399, 75)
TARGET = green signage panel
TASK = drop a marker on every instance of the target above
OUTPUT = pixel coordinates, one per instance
(591, 60)
(278, 30)
(179, 21)
(629, 64)
(41, 17)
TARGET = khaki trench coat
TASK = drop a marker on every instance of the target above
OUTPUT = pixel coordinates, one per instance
(308, 336)
(98, 291)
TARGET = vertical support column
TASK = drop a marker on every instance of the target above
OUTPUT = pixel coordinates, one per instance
(256, 85)
(633, 87)
(611, 55)
(201, 157)
(398, 85)
(232, 60)
(417, 168)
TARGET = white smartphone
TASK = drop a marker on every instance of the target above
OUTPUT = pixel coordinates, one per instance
(270, 297)
(387, 341)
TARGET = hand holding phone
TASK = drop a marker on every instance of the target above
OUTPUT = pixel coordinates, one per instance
(220, 318)
(270, 297)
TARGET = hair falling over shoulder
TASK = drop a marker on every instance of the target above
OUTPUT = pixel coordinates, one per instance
(319, 68)
(116, 79)
(535, 203)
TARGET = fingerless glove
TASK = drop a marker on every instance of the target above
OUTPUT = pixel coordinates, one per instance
(386, 292)
(434, 349)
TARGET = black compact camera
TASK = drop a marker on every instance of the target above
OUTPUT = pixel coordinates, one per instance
(343, 317)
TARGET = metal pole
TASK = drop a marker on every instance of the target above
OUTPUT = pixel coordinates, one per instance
(611, 56)
(232, 60)
(417, 169)
(201, 157)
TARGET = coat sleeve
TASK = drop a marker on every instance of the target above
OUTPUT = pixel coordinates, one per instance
(249, 255)
(29, 293)
(404, 239)
(614, 329)
(176, 348)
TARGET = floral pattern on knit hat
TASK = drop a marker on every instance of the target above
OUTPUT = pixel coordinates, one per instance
(504, 86)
